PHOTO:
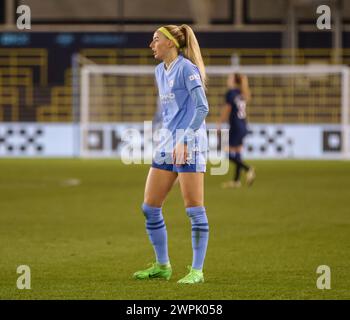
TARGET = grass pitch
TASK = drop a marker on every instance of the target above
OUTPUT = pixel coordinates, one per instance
(78, 225)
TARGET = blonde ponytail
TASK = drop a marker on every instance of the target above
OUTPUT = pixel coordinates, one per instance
(189, 46)
(192, 51)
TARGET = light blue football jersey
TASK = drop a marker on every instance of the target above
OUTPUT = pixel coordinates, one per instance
(177, 105)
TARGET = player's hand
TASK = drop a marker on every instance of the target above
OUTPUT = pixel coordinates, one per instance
(180, 154)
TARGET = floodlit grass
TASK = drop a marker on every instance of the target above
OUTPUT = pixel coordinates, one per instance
(78, 225)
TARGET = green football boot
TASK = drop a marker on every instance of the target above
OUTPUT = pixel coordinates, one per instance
(155, 271)
(194, 276)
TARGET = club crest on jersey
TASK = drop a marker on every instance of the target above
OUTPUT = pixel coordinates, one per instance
(171, 83)
(194, 76)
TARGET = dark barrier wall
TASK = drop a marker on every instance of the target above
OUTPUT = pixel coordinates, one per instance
(74, 41)
(137, 39)
(2, 11)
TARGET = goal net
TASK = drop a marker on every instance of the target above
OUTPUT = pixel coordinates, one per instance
(115, 98)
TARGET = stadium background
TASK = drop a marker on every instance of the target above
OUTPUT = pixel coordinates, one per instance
(46, 219)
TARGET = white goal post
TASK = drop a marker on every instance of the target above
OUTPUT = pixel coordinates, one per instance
(275, 73)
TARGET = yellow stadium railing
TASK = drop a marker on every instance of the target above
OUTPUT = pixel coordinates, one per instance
(9, 98)
(18, 66)
(32, 57)
(18, 78)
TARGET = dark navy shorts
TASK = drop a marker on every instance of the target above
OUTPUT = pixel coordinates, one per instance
(237, 134)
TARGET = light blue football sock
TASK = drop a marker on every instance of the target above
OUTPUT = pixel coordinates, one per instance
(156, 231)
(200, 235)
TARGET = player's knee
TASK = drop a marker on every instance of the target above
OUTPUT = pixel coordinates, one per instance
(189, 202)
(197, 214)
(235, 156)
(150, 211)
(152, 201)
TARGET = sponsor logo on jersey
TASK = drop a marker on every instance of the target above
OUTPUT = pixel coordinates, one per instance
(194, 76)
(167, 98)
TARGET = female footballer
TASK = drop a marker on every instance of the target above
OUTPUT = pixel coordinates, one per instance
(234, 112)
(181, 152)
